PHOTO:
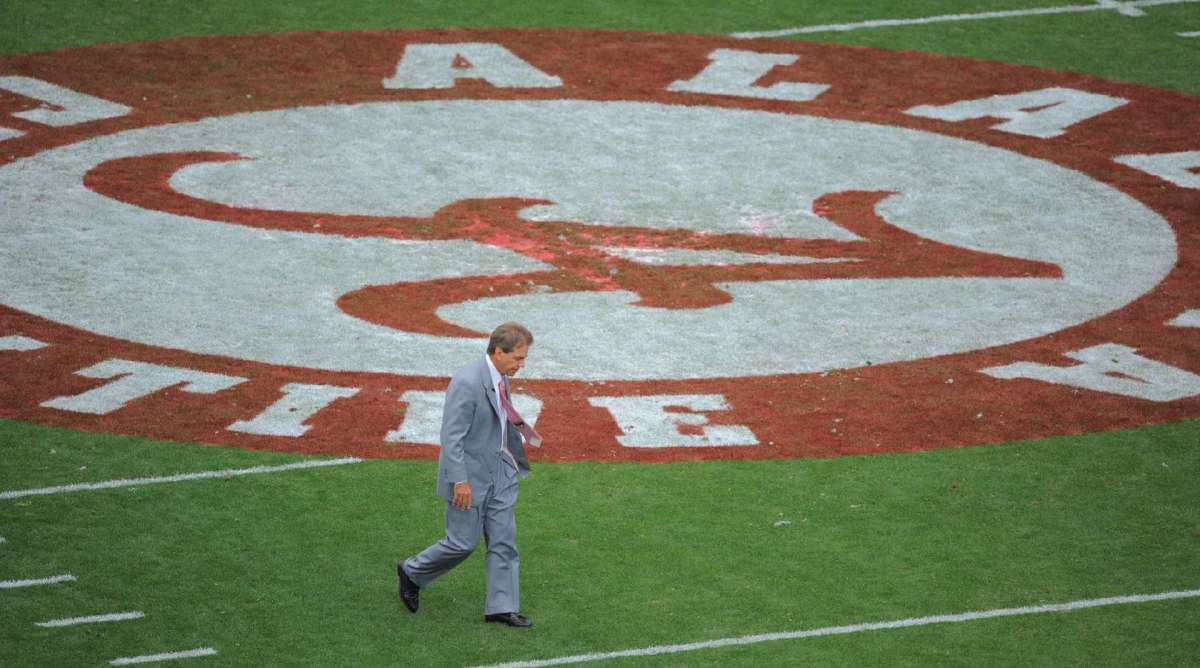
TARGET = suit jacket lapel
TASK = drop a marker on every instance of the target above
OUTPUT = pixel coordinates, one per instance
(488, 390)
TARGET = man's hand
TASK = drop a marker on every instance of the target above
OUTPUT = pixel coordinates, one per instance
(462, 495)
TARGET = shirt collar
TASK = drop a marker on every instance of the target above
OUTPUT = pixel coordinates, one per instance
(492, 369)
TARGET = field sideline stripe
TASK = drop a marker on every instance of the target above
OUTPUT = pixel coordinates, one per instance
(13, 584)
(946, 18)
(854, 628)
(91, 619)
(200, 475)
(167, 656)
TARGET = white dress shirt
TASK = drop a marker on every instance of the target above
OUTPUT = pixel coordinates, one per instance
(497, 379)
(496, 386)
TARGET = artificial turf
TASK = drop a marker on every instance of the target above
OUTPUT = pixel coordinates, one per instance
(297, 568)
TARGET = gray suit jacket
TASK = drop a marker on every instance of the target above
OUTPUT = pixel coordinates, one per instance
(471, 434)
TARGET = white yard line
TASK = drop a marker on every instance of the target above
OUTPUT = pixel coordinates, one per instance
(854, 628)
(13, 584)
(1189, 34)
(183, 477)
(93, 619)
(1122, 7)
(168, 656)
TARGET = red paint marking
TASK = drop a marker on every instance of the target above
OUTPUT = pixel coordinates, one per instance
(883, 251)
(889, 408)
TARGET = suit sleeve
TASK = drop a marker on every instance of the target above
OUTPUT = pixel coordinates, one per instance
(457, 416)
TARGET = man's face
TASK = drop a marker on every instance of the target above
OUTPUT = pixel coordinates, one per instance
(510, 363)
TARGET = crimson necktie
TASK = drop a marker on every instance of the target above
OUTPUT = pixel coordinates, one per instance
(531, 436)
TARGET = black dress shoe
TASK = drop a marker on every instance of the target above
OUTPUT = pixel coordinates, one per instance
(410, 593)
(510, 618)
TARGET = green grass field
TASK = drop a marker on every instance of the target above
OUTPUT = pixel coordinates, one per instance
(297, 568)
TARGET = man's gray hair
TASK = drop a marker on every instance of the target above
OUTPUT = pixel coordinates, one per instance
(508, 336)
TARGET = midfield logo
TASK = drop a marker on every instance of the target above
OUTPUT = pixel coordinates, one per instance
(725, 248)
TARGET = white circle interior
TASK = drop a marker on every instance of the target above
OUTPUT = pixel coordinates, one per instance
(101, 265)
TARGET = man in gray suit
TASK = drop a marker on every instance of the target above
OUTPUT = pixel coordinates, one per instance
(482, 457)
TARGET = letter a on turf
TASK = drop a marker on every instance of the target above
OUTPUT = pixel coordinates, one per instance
(425, 66)
(1138, 377)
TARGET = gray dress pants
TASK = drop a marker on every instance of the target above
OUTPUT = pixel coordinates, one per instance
(493, 519)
